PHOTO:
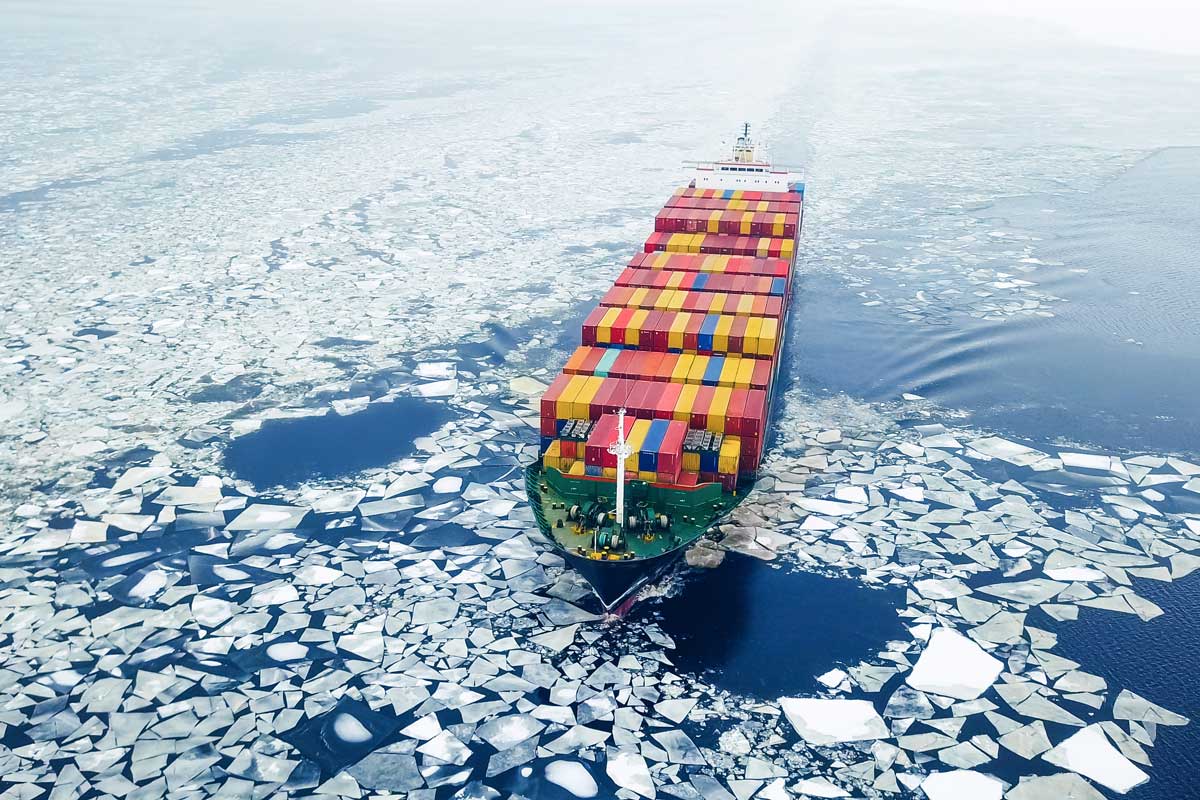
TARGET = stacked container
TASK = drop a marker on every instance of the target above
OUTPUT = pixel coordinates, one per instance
(687, 342)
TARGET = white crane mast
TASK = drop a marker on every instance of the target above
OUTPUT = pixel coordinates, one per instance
(622, 451)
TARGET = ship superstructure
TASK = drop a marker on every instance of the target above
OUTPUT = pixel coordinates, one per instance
(656, 425)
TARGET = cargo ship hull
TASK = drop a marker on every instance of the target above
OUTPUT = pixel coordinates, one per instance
(656, 425)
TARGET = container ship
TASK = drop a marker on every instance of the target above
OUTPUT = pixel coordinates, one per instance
(655, 427)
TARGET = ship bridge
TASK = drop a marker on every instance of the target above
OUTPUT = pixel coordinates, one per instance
(742, 171)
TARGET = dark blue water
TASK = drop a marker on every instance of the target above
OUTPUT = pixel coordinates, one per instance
(757, 629)
(1118, 365)
(285, 452)
(1160, 660)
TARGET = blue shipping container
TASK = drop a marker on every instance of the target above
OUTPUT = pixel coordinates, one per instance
(648, 457)
(705, 341)
(712, 373)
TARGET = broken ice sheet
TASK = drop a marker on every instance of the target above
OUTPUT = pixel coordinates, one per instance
(1090, 753)
(822, 721)
(961, 785)
(261, 516)
(954, 666)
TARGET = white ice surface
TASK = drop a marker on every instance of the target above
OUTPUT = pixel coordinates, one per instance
(954, 666)
(821, 721)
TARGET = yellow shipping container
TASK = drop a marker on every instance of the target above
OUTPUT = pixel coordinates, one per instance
(737, 194)
(676, 243)
(691, 462)
(675, 279)
(636, 435)
(577, 468)
(679, 374)
(604, 329)
(763, 205)
(675, 335)
(675, 301)
(729, 372)
(660, 262)
(745, 373)
(583, 400)
(787, 249)
(687, 399)
(649, 477)
(553, 455)
(634, 329)
(608, 472)
(721, 336)
(717, 304)
(744, 225)
(714, 263)
(566, 401)
(777, 225)
(766, 340)
(696, 373)
(753, 331)
(714, 221)
(716, 411)
(636, 298)
(764, 248)
(730, 455)
(745, 306)
(696, 242)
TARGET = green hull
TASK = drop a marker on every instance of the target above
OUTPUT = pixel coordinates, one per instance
(642, 553)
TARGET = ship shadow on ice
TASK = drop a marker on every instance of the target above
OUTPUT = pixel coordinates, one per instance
(287, 452)
(757, 629)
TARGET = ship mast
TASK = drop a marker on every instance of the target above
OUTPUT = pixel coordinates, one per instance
(622, 451)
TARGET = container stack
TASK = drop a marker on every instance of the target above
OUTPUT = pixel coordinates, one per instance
(687, 342)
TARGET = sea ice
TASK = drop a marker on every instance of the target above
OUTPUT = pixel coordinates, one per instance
(961, 784)
(627, 769)
(261, 517)
(822, 721)
(1091, 754)
(954, 666)
(572, 776)
(1134, 707)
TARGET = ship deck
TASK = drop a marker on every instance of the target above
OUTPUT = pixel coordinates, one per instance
(691, 513)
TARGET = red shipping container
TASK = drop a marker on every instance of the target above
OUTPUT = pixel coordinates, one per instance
(620, 324)
(737, 334)
(638, 399)
(549, 426)
(704, 398)
(652, 365)
(611, 396)
(593, 450)
(670, 452)
(591, 323)
(668, 400)
(567, 448)
(588, 367)
(761, 377)
(666, 367)
(736, 411)
(620, 367)
(551, 395)
(691, 334)
(644, 364)
(755, 416)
